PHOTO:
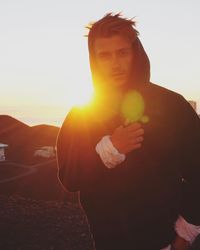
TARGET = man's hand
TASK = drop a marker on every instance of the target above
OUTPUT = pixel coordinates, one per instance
(180, 244)
(126, 139)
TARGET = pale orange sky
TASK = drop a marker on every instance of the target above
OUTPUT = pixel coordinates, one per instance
(44, 56)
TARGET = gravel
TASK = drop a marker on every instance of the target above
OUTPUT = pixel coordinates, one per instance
(27, 224)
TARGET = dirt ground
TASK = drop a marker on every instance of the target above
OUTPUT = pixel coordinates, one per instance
(27, 224)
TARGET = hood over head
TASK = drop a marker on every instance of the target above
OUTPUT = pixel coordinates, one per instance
(111, 25)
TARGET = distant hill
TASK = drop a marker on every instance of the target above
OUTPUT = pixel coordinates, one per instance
(45, 133)
(11, 129)
(6, 120)
(23, 140)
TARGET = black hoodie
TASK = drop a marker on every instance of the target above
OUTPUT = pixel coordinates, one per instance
(135, 205)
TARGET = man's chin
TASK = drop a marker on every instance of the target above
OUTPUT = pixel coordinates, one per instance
(115, 83)
(119, 83)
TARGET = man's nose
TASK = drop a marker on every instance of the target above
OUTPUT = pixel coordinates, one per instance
(115, 63)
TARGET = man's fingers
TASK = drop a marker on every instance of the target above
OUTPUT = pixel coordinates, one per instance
(132, 148)
(138, 139)
(133, 127)
(136, 133)
(136, 146)
(126, 139)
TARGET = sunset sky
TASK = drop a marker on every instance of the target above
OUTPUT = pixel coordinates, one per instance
(44, 66)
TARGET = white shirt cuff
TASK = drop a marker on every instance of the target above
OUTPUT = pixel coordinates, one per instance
(108, 153)
(186, 230)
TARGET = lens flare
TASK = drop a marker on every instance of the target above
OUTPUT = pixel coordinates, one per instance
(133, 107)
(145, 119)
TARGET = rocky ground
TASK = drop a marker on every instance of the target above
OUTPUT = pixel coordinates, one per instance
(27, 224)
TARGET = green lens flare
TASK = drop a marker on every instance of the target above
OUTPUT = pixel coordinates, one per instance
(133, 107)
(145, 119)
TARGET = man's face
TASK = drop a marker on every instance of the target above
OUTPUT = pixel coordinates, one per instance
(114, 57)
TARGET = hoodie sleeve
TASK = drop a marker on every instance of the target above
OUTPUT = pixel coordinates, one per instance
(79, 166)
(190, 162)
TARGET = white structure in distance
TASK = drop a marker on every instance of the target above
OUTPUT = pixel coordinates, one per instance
(46, 152)
(2, 151)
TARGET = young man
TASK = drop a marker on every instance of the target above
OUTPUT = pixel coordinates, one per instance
(133, 155)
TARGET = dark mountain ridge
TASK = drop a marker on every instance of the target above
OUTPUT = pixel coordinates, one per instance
(23, 140)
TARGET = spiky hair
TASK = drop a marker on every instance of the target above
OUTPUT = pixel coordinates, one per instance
(112, 24)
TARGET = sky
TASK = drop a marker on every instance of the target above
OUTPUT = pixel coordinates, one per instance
(44, 64)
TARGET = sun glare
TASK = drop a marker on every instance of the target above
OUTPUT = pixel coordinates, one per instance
(81, 95)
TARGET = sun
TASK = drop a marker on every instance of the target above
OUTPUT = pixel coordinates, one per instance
(81, 94)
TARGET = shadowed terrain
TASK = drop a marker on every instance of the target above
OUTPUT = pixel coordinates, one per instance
(35, 212)
(27, 224)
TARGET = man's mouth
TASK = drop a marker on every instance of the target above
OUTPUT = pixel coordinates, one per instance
(116, 75)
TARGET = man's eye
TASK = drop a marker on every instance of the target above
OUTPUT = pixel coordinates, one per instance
(123, 52)
(104, 56)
